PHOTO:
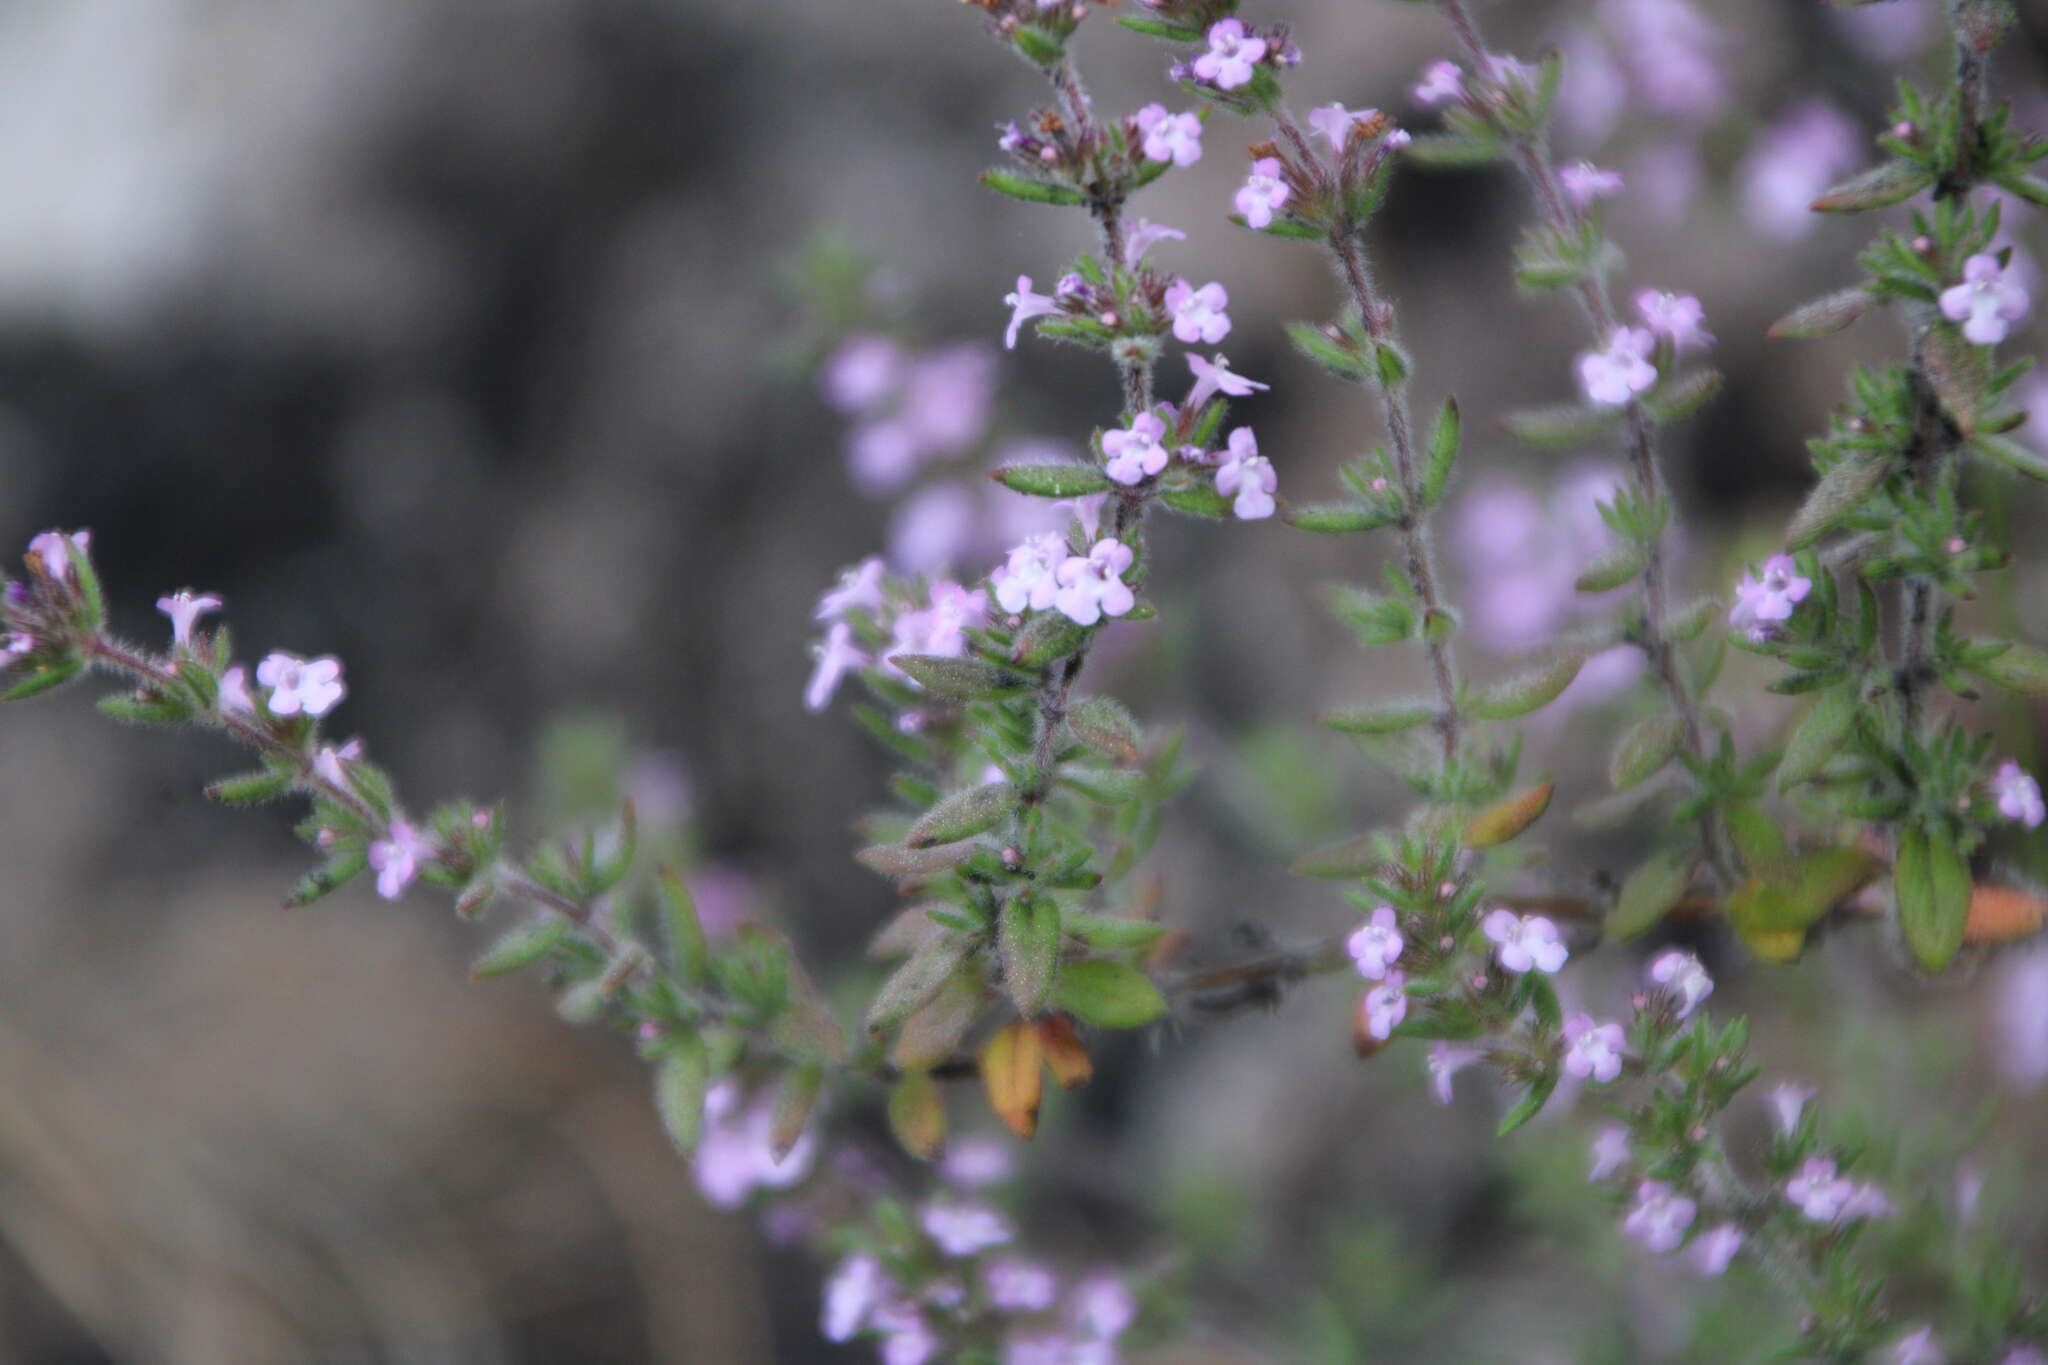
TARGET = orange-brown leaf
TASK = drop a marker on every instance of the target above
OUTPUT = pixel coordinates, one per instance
(917, 1115)
(2003, 914)
(1012, 1072)
(1065, 1055)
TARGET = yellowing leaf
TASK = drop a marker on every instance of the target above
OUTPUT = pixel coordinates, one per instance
(1012, 1074)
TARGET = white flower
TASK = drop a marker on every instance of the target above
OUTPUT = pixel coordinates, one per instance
(854, 1290)
(1025, 581)
(396, 858)
(1441, 83)
(1818, 1192)
(1583, 182)
(1248, 477)
(1019, 1286)
(1145, 234)
(1611, 1151)
(1333, 122)
(1446, 1060)
(309, 686)
(1676, 316)
(1613, 376)
(836, 656)
(1788, 1100)
(860, 587)
(1592, 1049)
(1385, 1006)
(1092, 587)
(1137, 452)
(1713, 1250)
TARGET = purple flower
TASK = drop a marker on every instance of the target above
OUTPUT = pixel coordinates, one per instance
(396, 858)
(184, 609)
(309, 686)
(1670, 51)
(1025, 305)
(1333, 122)
(1918, 1348)
(1524, 942)
(1025, 581)
(1788, 1100)
(1592, 1049)
(20, 645)
(1093, 587)
(1385, 1006)
(934, 528)
(1763, 602)
(1615, 375)
(1611, 1151)
(1102, 1306)
(963, 1229)
(836, 656)
(53, 550)
(1136, 452)
(1213, 377)
(1713, 1250)
(330, 764)
(974, 1162)
(1231, 56)
(1198, 313)
(863, 373)
(1583, 182)
(1170, 137)
(859, 589)
(1791, 163)
(1145, 234)
(1817, 1191)
(1248, 477)
(234, 692)
(946, 398)
(1680, 973)
(736, 1153)
(907, 1338)
(1263, 191)
(2019, 1018)
(1675, 316)
(1659, 1217)
(2018, 795)
(1441, 83)
(1375, 946)
(1446, 1060)
(1019, 1286)
(1986, 302)
(852, 1292)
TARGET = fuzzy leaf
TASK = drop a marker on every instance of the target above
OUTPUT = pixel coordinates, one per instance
(1892, 182)
(930, 1035)
(1052, 480)
(1111, 933)
(1159, 28)
(1047, 636)
(337, 872)
(2012, 455)
(1531, 691)
(1013, 1076)
(1029, 939)
(1679, 398)
(2018, 668)
(1388, 718)
(794, 1101)
(1650, 892)
(1645, 747)
(1443, 453)
(1619, 564)
(680, 1080)
(1037, 45)
(1826, 315)
(1106, 726)
(250, 789)
(1959, 373)
(1931, 882)
(1530, 1105)
(521, 947)
(1197, 500)
(1030, 191)
(1564, 425)
(962, 678)
(917, 1116)
(913, 985)
(689, 954)
(1818, 738)
(1107, 994)
(1352, 857)
(1840, 492)
(43, 680)
(963, 815)
(1453, 149)
(894, 860)
(1505, 819)
(1336, 519)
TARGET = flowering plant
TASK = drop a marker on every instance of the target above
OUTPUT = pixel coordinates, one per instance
(1027, 808)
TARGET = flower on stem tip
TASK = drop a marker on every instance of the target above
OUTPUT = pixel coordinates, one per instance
(860, 587)
(1788, 1100)
(1214, 377)
(1145, 234)
(962, 1229)
(1376, 944)
(1170, 137)
(1231, 56)
(1583, 182)
(1025, 305)
(1441, 83)
(1136, 452)
(396, 858)
(836, 656)
(1680, 973)
(1026, 580)
(1918, 1348)
(1713, 1250)
(1524, 942)
(297, 686)
(1592, 1049)
(53, 550)
(1660, 1216)
(1676, 317)
(2018, 795)
(330, 764)
(1986, 303)
(1446, 1060)
(184, 609)
(1612, 377)
(1385, 1006)
(1333, 122)
(1019, 1286)
(1092, 586)
(1263, 191)
(852, 1292)
(1763, 602)
(1611, 1152)
(1247, 476)
(1198, 313)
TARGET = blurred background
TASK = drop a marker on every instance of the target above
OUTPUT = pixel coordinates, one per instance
(479, 344)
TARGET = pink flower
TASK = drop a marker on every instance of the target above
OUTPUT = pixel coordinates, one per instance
(859, 588)
(1446, 1060)
(1441, 83)
(184, 609)
(1385, 1006)
(963, 1229)
(1676, 316)
(309, 686)
(907, 1339)
(234, 692)
(1248, 477)
(1592, 1049)
(2018, 795)
(1136, 452)
(1793, 161)
(1170, 137)
(1231, 56)
(1763, 602)
(1918, 1348)
(330, 765)
(1198, 313)
(1146, 234)
(1025, 581)
(1523, 943)
(1660, 1216)
(1376, 945)
(974, 1162)
(1092, 587)
(1614, 376)
(1583, 182)
(1102, 1306)
(1216, 377)
(1818, 1192)
(396, 859)
(836, 656)
(863, 373)
(1713, 1250)
(1025, 305)
(852, 1292)
(1611, 1151)
(1986, 302)
(53, 549)
(1019, 1286)
(1680, 973)
(1788, 1100)
(1263, 191)
(1333, 122)
(19, 646)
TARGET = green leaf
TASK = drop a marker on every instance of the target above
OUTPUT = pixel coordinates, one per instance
(2012, 455)
(1759, 843)
(1531, 691)
(914, 984)
(2019, 668)
(1838, 494)
(43, 679)
(1159, 28)
(1443, 453)
(1530, 1104)
(1337, 519)
(521, 947)
(680, 1080)
(1107, 994)
(1454, 150)
(1028, 937)
(1826, 315)
(337, 872)
(1037, 45)
(1333, 353)
(1106, 726)
(1563, 425)
(1819, 737)
(1030, 191)
(1892, 182)
(963, 815)
(1650, 892)
(1507, 818)
(1111, 933)
(1388, 718)
(1197, 500)
(689, 953)
(1105, 786)
(250, 789)
(962, 678)
(894, 860)
(794, 1100)
(1959, 373)
(1931, 881)
(1051, 480)
(1356, 856)
(1645, 747)
(1679, 398)
(1047, 636)
(917, 1116)
(1619, 564)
